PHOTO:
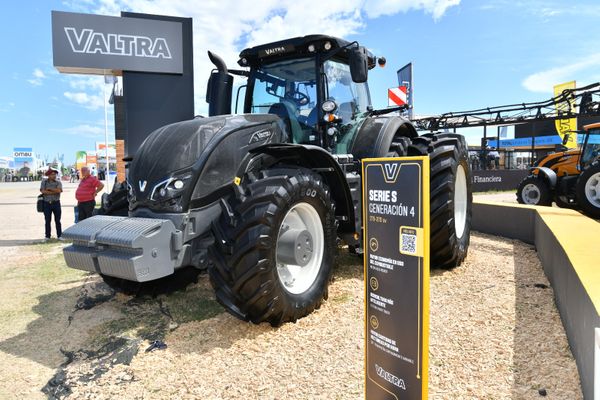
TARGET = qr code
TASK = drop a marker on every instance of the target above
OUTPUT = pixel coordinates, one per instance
(409, 243)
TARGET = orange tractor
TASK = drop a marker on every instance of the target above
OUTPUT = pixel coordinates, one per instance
(569, 177)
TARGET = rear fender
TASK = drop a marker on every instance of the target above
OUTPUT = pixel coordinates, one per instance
(377, 133)
(546, 173)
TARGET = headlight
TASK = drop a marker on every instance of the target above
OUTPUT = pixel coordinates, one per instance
(171, 187)
(329, 106)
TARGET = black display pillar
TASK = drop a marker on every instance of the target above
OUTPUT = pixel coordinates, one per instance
(152, 100)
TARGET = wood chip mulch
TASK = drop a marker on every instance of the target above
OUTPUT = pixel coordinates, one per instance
(495, 334)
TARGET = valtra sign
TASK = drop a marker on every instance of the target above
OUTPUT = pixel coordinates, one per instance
(96, 44)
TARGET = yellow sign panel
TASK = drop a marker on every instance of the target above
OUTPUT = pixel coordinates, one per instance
(569, 125)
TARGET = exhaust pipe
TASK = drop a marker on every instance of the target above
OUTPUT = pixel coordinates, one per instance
(219, 88)
(218, 62)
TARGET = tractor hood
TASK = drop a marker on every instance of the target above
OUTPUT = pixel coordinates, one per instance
(181, 151)
(173, 147)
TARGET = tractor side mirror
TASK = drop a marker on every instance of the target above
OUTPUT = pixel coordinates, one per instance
(359, 64)
(566, 139)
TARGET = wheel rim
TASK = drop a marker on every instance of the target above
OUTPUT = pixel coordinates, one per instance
(460, 202)
(592, 190)
(531, 194)
(297, 279)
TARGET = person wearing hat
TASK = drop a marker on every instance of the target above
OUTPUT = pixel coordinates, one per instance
(51, 189)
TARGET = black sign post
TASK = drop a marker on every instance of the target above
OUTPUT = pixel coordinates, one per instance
(396, 243)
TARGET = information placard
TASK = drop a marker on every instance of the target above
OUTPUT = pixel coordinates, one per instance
(396, 244)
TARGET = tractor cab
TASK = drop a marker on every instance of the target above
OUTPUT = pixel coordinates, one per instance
(317, 86)
(590, 151)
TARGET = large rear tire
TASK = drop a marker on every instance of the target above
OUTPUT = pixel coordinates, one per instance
(451, 196)
(588, 191)
(274, 246)
(451, 200)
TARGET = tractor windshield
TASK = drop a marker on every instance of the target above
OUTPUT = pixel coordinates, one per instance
(591, 150)
(289, 90)
(352, 100)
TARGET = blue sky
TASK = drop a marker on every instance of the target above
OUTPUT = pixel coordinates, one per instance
(466, 54)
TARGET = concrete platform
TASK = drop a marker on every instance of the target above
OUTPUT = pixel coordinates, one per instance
(568, 248)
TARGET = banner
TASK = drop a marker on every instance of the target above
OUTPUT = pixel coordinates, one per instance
(23, 161)
(564, 126)
(80, 159)
(405, 78)
(91, 158)
(101, 148)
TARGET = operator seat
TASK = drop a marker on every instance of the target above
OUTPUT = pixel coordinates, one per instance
(286, 112)
(345, 111)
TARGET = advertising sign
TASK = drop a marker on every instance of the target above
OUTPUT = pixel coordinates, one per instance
(564, 126)
(396, 243)
(91, 158)
(98, 44)
(405, 78)
(23, 161)
(101, 149)
(80, 159)
(498, 179)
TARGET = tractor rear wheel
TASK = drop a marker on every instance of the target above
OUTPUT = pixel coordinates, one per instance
(534, 191)
(451, 197)
(451, 200)
(274, 246)
(588, 191)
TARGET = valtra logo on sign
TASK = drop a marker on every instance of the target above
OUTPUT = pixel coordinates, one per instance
(97, 44)
(88, 41)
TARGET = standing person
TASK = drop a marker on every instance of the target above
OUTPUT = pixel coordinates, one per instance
(51, 189)
(88, 188)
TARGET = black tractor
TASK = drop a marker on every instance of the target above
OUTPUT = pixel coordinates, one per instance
(263, 199)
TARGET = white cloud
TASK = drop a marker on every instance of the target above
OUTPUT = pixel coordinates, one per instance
(584, 72)
(88, 91)
(437, 8)
(38, 77)
(228, 26)
(6, 107)
(89, 101)
(85, 130)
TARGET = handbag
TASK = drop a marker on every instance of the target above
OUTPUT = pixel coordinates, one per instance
(40, 203)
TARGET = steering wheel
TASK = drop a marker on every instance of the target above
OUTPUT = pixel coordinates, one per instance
(299, 98)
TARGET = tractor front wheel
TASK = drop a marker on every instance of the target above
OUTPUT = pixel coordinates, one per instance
(534, 191)
(274, 246)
